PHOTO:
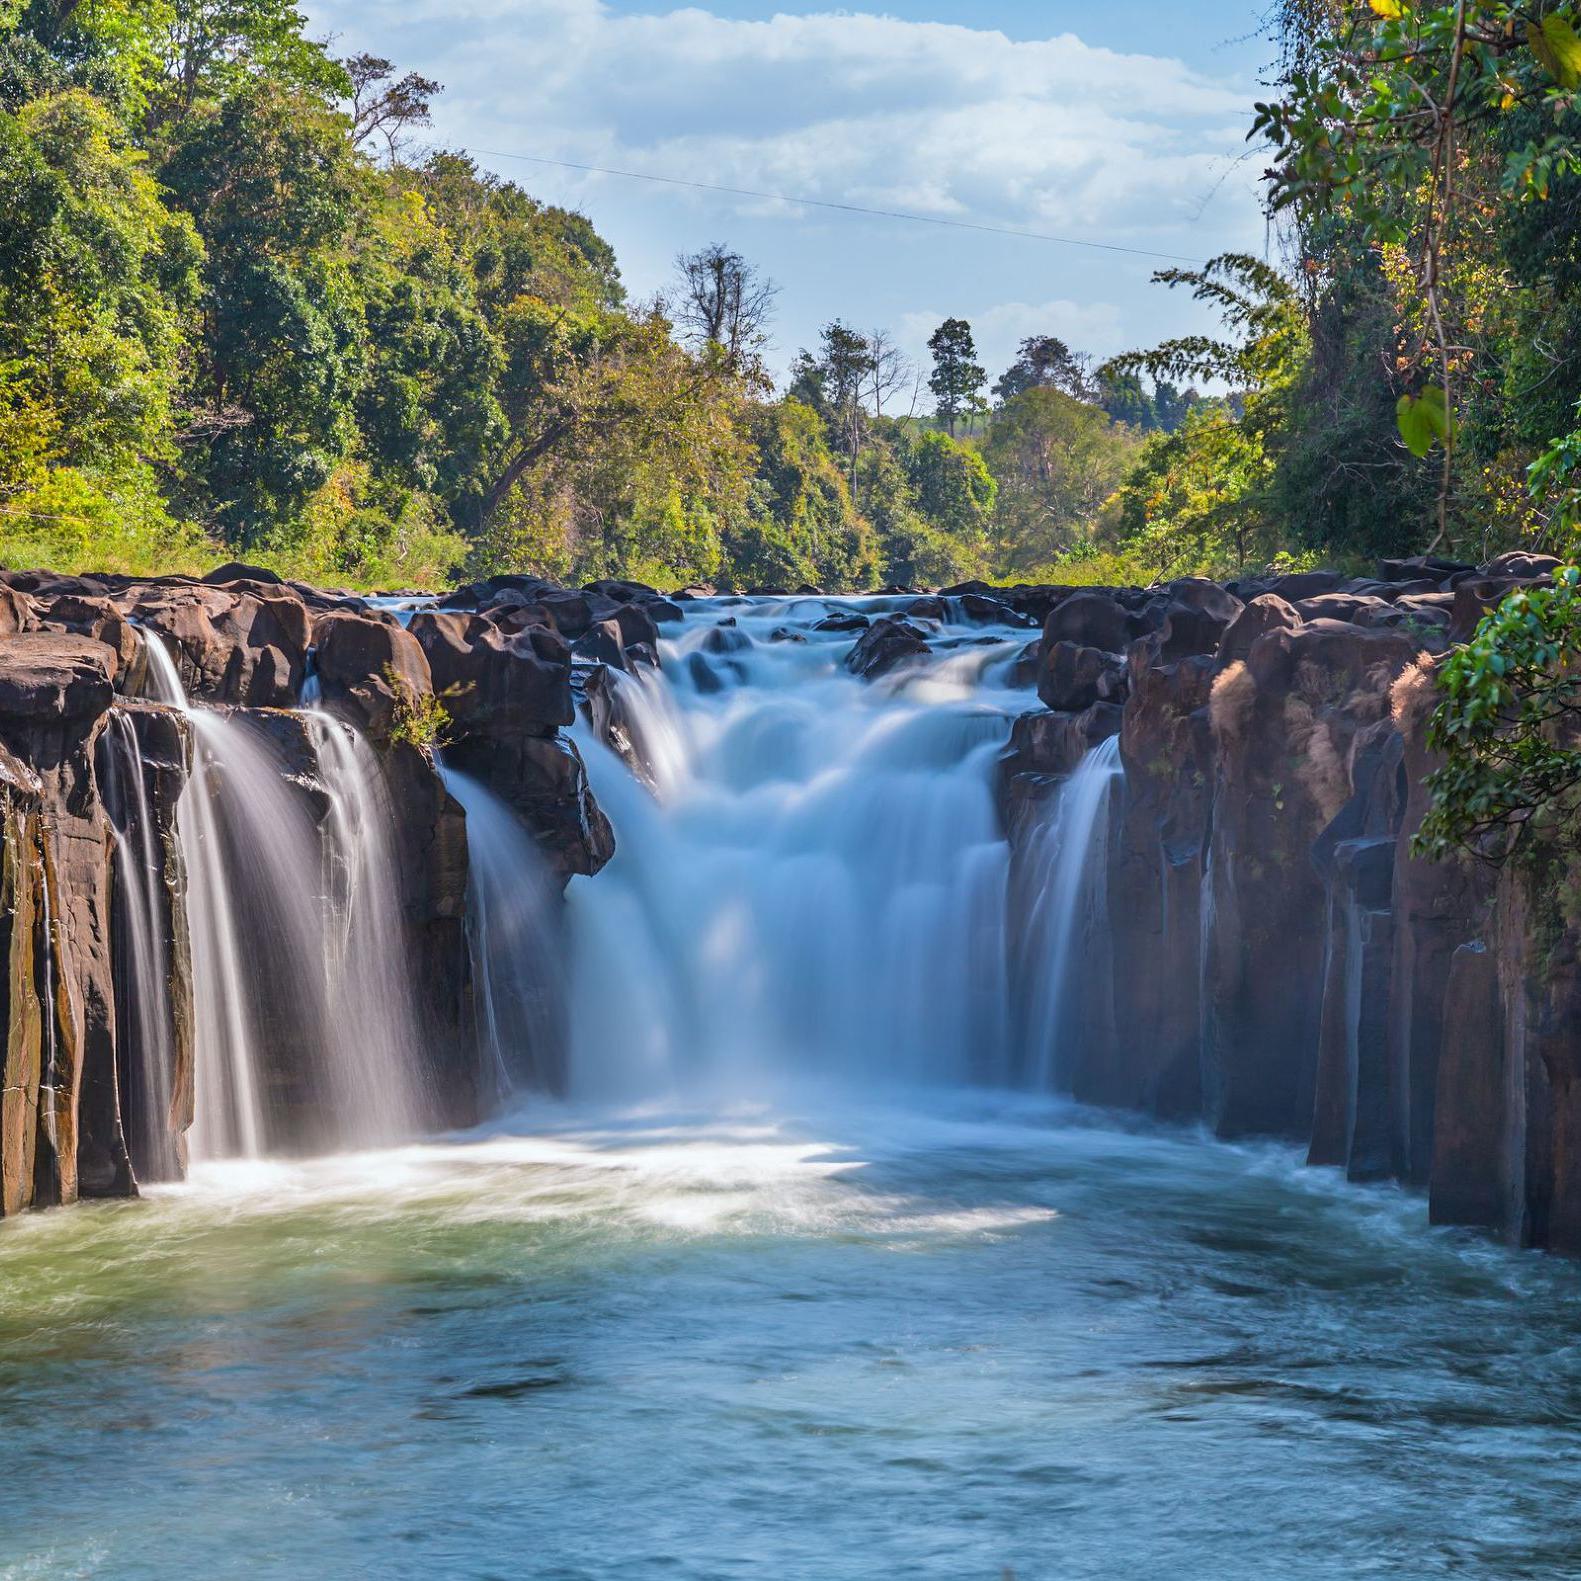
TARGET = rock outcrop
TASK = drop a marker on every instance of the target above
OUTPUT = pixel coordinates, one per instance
(61, 1134)
(1283, 964)
(98, 1069)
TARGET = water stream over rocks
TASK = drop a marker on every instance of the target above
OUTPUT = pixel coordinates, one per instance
(815, 882)
(777, 1254)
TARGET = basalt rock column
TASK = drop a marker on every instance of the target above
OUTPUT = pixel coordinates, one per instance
(62, 1135)
(1283, 723)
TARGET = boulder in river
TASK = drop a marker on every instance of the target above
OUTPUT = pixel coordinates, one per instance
(889, 642)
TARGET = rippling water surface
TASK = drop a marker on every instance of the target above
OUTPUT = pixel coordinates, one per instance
(935, 1334)
(943, 1337)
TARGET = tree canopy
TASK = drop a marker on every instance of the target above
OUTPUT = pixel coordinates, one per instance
(242, 311)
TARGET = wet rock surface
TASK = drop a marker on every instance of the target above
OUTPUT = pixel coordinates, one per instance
(97, 1066)
(889, 642)
(1283, 964)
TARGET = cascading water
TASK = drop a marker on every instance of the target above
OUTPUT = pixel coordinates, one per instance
(229, 1118)
(815, 883)
(1059, 977)
(373, 1035)
(147, 1079)
(298, 962)
(513, 941)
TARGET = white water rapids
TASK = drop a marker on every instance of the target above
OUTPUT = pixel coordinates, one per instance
(815, 884)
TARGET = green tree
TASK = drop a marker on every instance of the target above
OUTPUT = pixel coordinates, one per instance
(1507, 733)
(834, 382)
(1056, 461)
(620, 447)
(97, 279)
(957, 379)
(803, 525)
(1123, 397)
(270, 179)
(212, 50)
(954, 490)
(1046, 362)
(1196, 501)
(1384, 119)
(427, 406)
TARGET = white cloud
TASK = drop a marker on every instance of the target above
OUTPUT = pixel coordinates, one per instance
(943, 119)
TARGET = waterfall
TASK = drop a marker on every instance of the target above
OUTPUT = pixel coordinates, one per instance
(811, 882)
(143, 1000)
(305, 1028)
(1066, 901)
(513, 942)
(228, 1119)
(373, 1034)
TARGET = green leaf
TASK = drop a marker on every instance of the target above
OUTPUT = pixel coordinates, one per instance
(1423, 419)
(1434, 402)
(1557, 45)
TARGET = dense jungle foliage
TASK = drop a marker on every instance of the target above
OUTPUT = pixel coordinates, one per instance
(245, 311)
(1426, 157)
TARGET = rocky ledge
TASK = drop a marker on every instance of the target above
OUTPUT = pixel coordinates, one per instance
(1276, 960)
(90, 767)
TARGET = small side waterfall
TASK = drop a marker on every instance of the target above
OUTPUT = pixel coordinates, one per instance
(1060, 978)
(300, 975)
(514, 943)
(143, 999)
(229, 1119)
(372, 1033)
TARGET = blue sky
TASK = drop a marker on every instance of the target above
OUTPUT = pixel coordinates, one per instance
(1122, 123)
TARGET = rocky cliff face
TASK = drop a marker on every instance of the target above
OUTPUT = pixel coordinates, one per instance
(96, 991)
(61, 1136)
(1276, 960)
(1283, 964)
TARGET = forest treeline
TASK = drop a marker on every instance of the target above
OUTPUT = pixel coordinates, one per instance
(246, 311)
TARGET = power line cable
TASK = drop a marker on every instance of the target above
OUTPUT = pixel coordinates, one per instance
(840, 208)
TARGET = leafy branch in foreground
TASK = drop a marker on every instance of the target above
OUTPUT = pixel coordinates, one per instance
(1377, 126)
(1509, 728)
(1554, 479)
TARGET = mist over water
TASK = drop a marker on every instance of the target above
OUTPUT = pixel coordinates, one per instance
(793, 1284)
(813, 878)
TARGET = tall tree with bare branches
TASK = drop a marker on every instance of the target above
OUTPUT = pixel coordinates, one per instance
(723, 300)
(384, 107)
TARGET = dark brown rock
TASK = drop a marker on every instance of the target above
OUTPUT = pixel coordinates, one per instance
(1093, 620)
(239, 571)
(888, 643)
(491, 683)
(54, 692)
(245, 648)
(1521, 566)
(1074, 678)
(47, 677)
(369, 670)
(1470, 1181)
(843, 620)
